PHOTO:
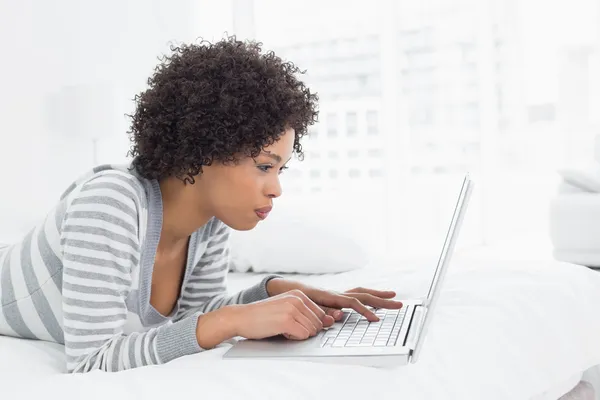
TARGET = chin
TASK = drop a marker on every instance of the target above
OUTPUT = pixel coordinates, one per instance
(242, 226)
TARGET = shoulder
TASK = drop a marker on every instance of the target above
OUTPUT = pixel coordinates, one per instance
(108, 182)
(108, 199)
(117, 181)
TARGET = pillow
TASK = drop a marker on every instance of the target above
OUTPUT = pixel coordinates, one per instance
(585, 179)
(574, 228)
(299, 236)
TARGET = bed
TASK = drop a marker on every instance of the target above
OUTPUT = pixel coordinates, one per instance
(503, 330)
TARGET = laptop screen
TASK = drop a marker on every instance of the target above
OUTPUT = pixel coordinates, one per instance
(442, 265)
(447, 241)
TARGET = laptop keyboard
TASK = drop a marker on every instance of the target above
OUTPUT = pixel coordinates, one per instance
(357, 331)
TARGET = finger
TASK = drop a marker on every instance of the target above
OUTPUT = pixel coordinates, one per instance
(310, 316)
(374, 301)
(295, 331)
(294, 299)
(334, 313)
(334, 300)
(291, 337)
(301, 313)
(331, 316)
(386, 294)
(306, 323)
(317, 314)
(358, 306)
(328, 321)
(290, 328)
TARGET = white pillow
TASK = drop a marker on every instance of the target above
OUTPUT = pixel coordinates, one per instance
(585, 179)
(299, 236)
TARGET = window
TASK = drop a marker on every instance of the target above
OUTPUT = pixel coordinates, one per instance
(375, 153)
(541, 113)
(372, 123)
(294, 173)
(375, 173)
(362, 80)
(449, 77)
(351, 123)
(332, 125)
(509, 106)
(354, 173)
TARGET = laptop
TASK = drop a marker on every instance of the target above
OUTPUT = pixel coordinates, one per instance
(396, 339)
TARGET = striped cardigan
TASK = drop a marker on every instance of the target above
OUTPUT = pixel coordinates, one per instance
(82, 277)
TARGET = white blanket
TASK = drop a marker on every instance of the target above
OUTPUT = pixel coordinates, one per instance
(504, 331)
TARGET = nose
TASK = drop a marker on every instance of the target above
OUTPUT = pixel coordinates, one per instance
(274, 188)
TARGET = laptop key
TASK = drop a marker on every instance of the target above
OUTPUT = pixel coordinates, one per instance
(359, 345)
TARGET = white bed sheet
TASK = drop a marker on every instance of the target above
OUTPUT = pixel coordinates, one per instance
(592, 376)
(502, 331)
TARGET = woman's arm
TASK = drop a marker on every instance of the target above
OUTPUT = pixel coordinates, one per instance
(100, 246)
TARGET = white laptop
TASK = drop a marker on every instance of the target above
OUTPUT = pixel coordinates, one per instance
(395, 339)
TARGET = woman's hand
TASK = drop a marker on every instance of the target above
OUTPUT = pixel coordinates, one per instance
(332, 302)
(291, 314)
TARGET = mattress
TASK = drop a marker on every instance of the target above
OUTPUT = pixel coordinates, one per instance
(582, 385)
(502, 331)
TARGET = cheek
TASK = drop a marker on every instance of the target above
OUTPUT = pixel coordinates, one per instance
(245, 185)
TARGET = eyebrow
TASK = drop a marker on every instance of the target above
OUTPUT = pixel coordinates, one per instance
(274, 156)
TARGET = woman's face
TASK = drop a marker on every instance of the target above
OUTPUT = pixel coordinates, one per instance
(242, 194)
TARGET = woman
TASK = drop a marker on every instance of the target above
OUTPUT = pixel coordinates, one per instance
(129, 268)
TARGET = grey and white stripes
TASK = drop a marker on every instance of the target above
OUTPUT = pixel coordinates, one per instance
(83, 277)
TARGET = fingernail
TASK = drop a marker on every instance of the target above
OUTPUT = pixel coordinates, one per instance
(337, 314)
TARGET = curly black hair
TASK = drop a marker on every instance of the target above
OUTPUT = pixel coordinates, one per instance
(216, 102)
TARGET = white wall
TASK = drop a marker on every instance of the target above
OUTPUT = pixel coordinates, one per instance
(68, 73)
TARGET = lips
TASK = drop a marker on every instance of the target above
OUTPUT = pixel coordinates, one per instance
(263, 212)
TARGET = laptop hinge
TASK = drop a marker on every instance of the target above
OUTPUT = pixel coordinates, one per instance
(414, 328)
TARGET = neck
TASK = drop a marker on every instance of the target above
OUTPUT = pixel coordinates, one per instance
(183, 212)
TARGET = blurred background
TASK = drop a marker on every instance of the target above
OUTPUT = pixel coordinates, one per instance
(413, 95)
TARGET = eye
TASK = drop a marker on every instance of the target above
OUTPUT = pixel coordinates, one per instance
(264, 168)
